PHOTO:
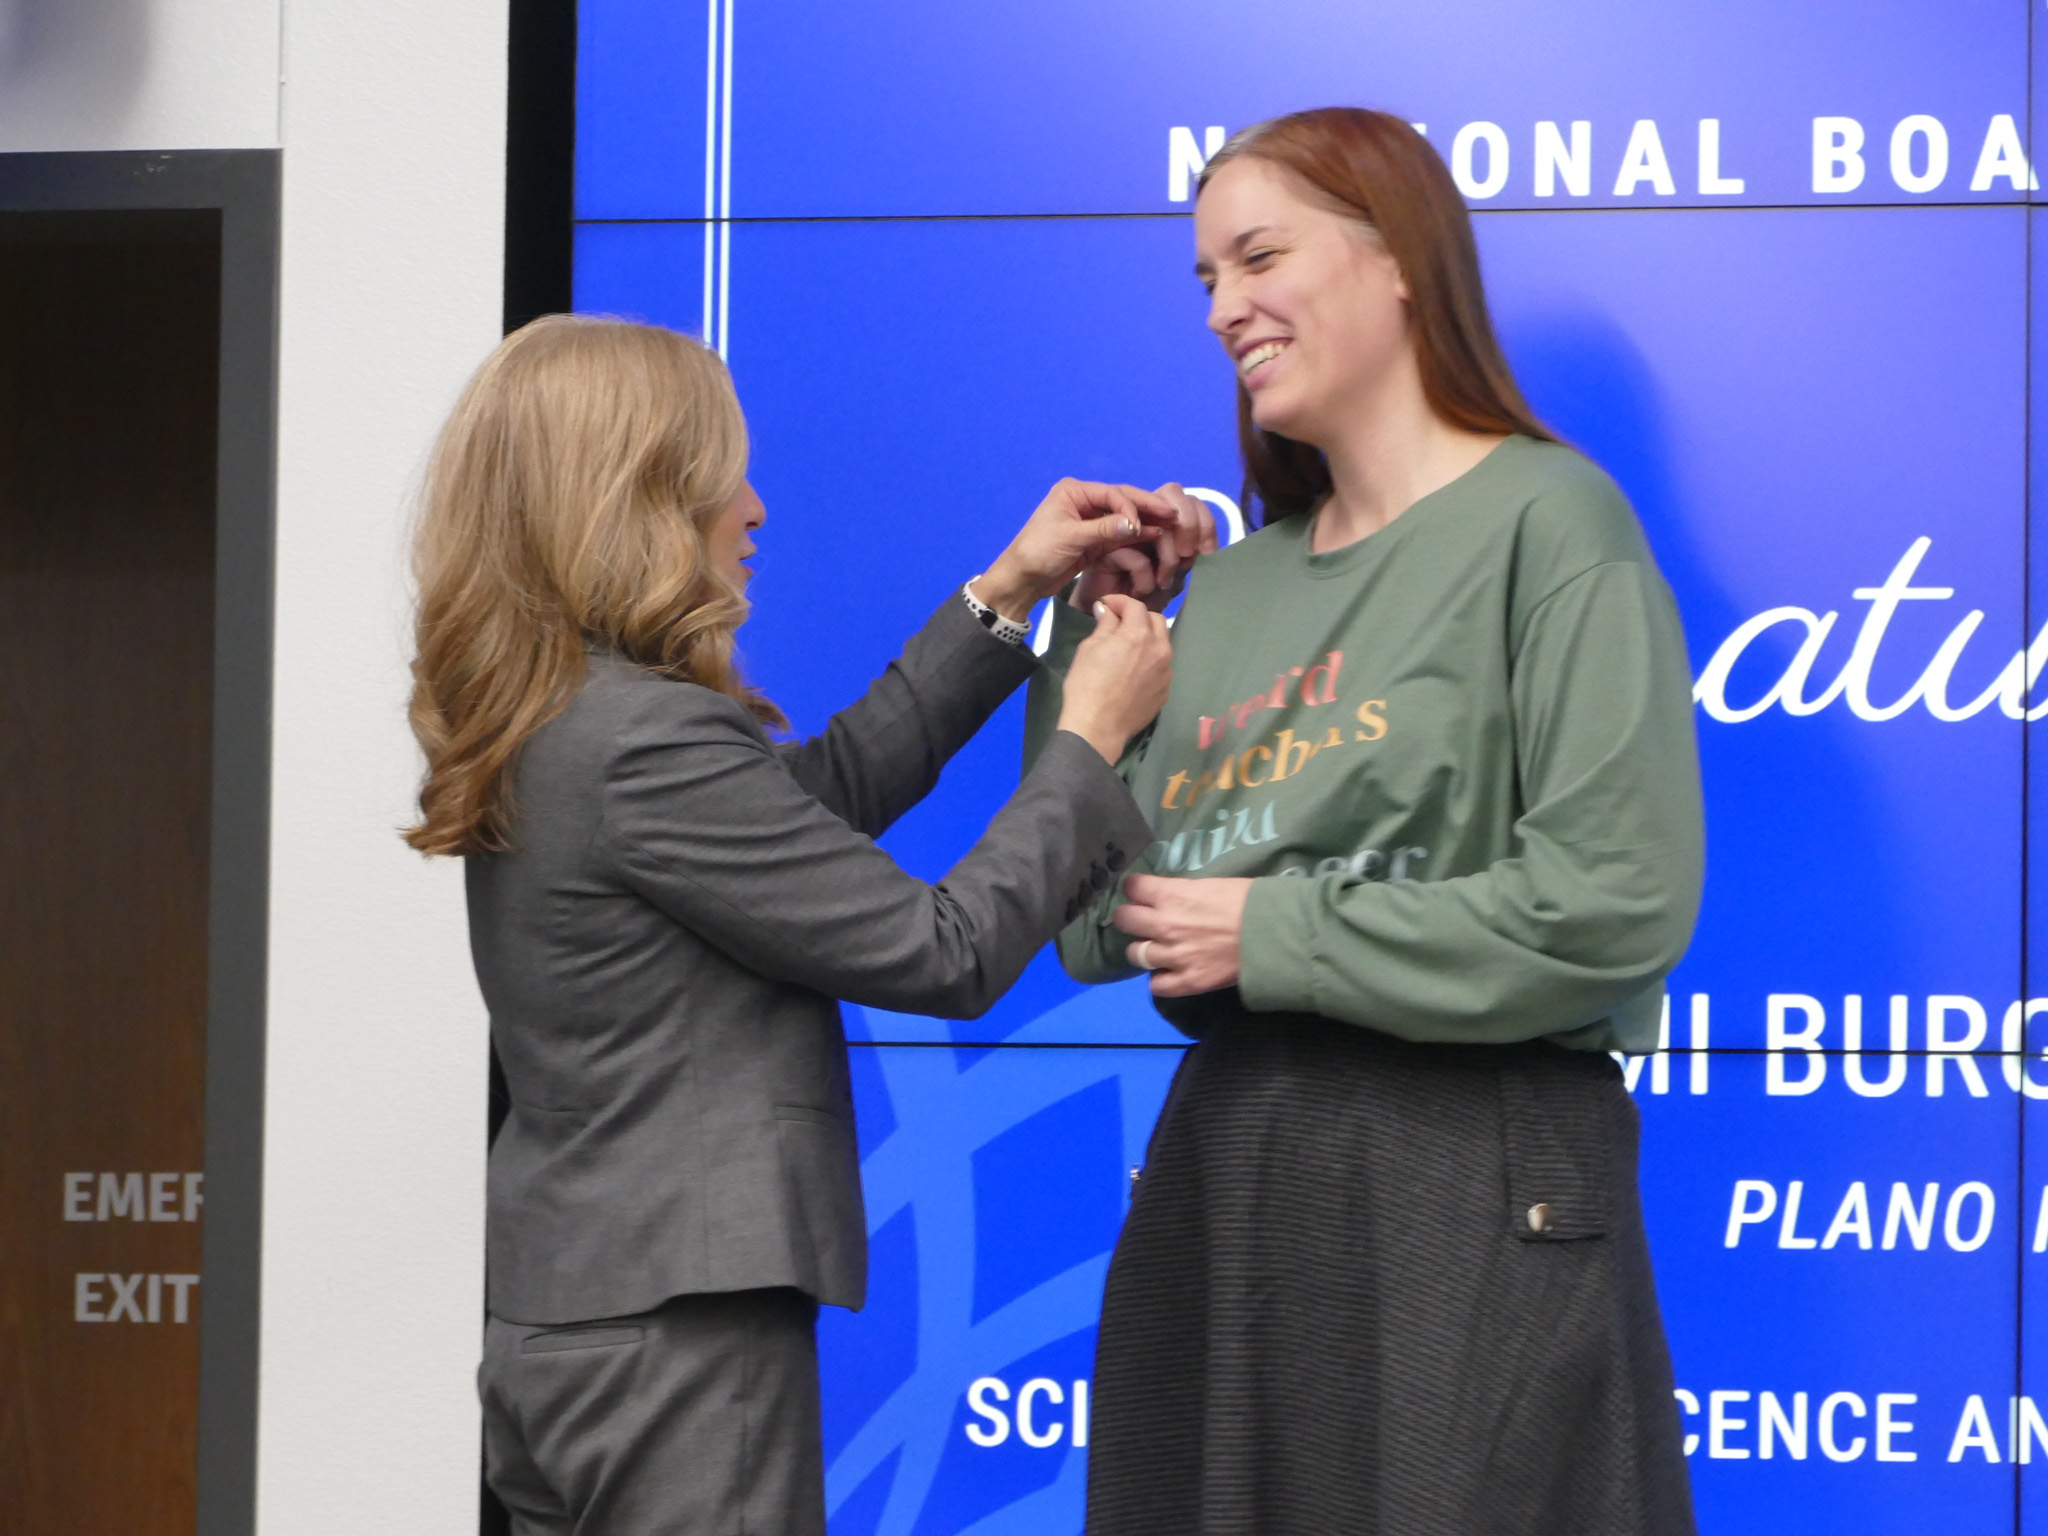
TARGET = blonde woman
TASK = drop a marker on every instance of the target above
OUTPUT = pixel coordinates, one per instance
(665, 904)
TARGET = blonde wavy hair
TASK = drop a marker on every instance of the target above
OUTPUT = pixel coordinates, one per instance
(566, 507)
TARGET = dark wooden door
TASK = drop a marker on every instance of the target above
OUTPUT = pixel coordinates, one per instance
(109, 340)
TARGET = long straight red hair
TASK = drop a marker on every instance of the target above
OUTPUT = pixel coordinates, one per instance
(1379, 170)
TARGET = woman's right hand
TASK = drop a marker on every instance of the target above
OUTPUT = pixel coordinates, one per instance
(1119, 677)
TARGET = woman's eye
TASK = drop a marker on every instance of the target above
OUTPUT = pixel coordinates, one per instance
(1259, 258)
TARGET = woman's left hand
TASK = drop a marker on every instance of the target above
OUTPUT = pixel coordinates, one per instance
(1185, 932)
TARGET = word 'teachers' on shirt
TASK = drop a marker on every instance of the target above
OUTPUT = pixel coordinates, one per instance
(1289, 752)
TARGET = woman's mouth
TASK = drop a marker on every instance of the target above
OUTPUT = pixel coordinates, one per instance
(1257, 358)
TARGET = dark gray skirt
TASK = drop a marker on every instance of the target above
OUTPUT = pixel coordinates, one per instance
(1332, 1313)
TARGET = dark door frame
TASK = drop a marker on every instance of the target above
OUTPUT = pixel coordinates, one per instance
(540, 192)
(241, 185)
(540, 158)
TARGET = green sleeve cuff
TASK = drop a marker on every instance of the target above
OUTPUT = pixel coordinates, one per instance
(1070, 627)
(1276, 946)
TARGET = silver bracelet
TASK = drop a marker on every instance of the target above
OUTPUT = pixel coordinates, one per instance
(1009, 630)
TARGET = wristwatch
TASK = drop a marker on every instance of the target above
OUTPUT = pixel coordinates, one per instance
(1002, 628)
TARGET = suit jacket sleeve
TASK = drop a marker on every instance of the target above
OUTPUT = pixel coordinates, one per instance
(703, 819)
(880, 756)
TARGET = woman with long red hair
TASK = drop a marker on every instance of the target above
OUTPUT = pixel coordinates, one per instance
(1428, 842)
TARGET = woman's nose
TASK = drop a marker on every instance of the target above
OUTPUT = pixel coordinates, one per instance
(1226, 310)
(1225, 314)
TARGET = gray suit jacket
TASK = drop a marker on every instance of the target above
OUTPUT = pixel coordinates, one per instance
(662, 946)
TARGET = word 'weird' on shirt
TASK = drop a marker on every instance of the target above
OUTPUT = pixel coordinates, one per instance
(1289, 751)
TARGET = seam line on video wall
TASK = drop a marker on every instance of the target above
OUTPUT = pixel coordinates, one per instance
(718, 219)
(727, 218)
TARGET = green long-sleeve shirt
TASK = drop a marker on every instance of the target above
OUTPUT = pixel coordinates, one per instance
(1456, 757)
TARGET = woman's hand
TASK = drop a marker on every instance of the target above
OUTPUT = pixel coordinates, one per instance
(1154, 575)
(1185, 932)
(1119, 678)
(1078, 522)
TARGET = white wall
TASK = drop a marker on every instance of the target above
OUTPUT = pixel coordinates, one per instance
(391, 118)
(138, 74)
(393, 132)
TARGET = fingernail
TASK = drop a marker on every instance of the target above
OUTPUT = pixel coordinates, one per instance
(1100, 608)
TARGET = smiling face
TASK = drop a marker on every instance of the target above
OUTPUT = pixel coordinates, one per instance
(1305, 299)
(730, 539)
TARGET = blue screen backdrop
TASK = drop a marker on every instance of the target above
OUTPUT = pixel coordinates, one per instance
(1773, 266)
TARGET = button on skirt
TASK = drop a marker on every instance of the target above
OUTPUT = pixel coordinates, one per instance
(1374, 1287)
